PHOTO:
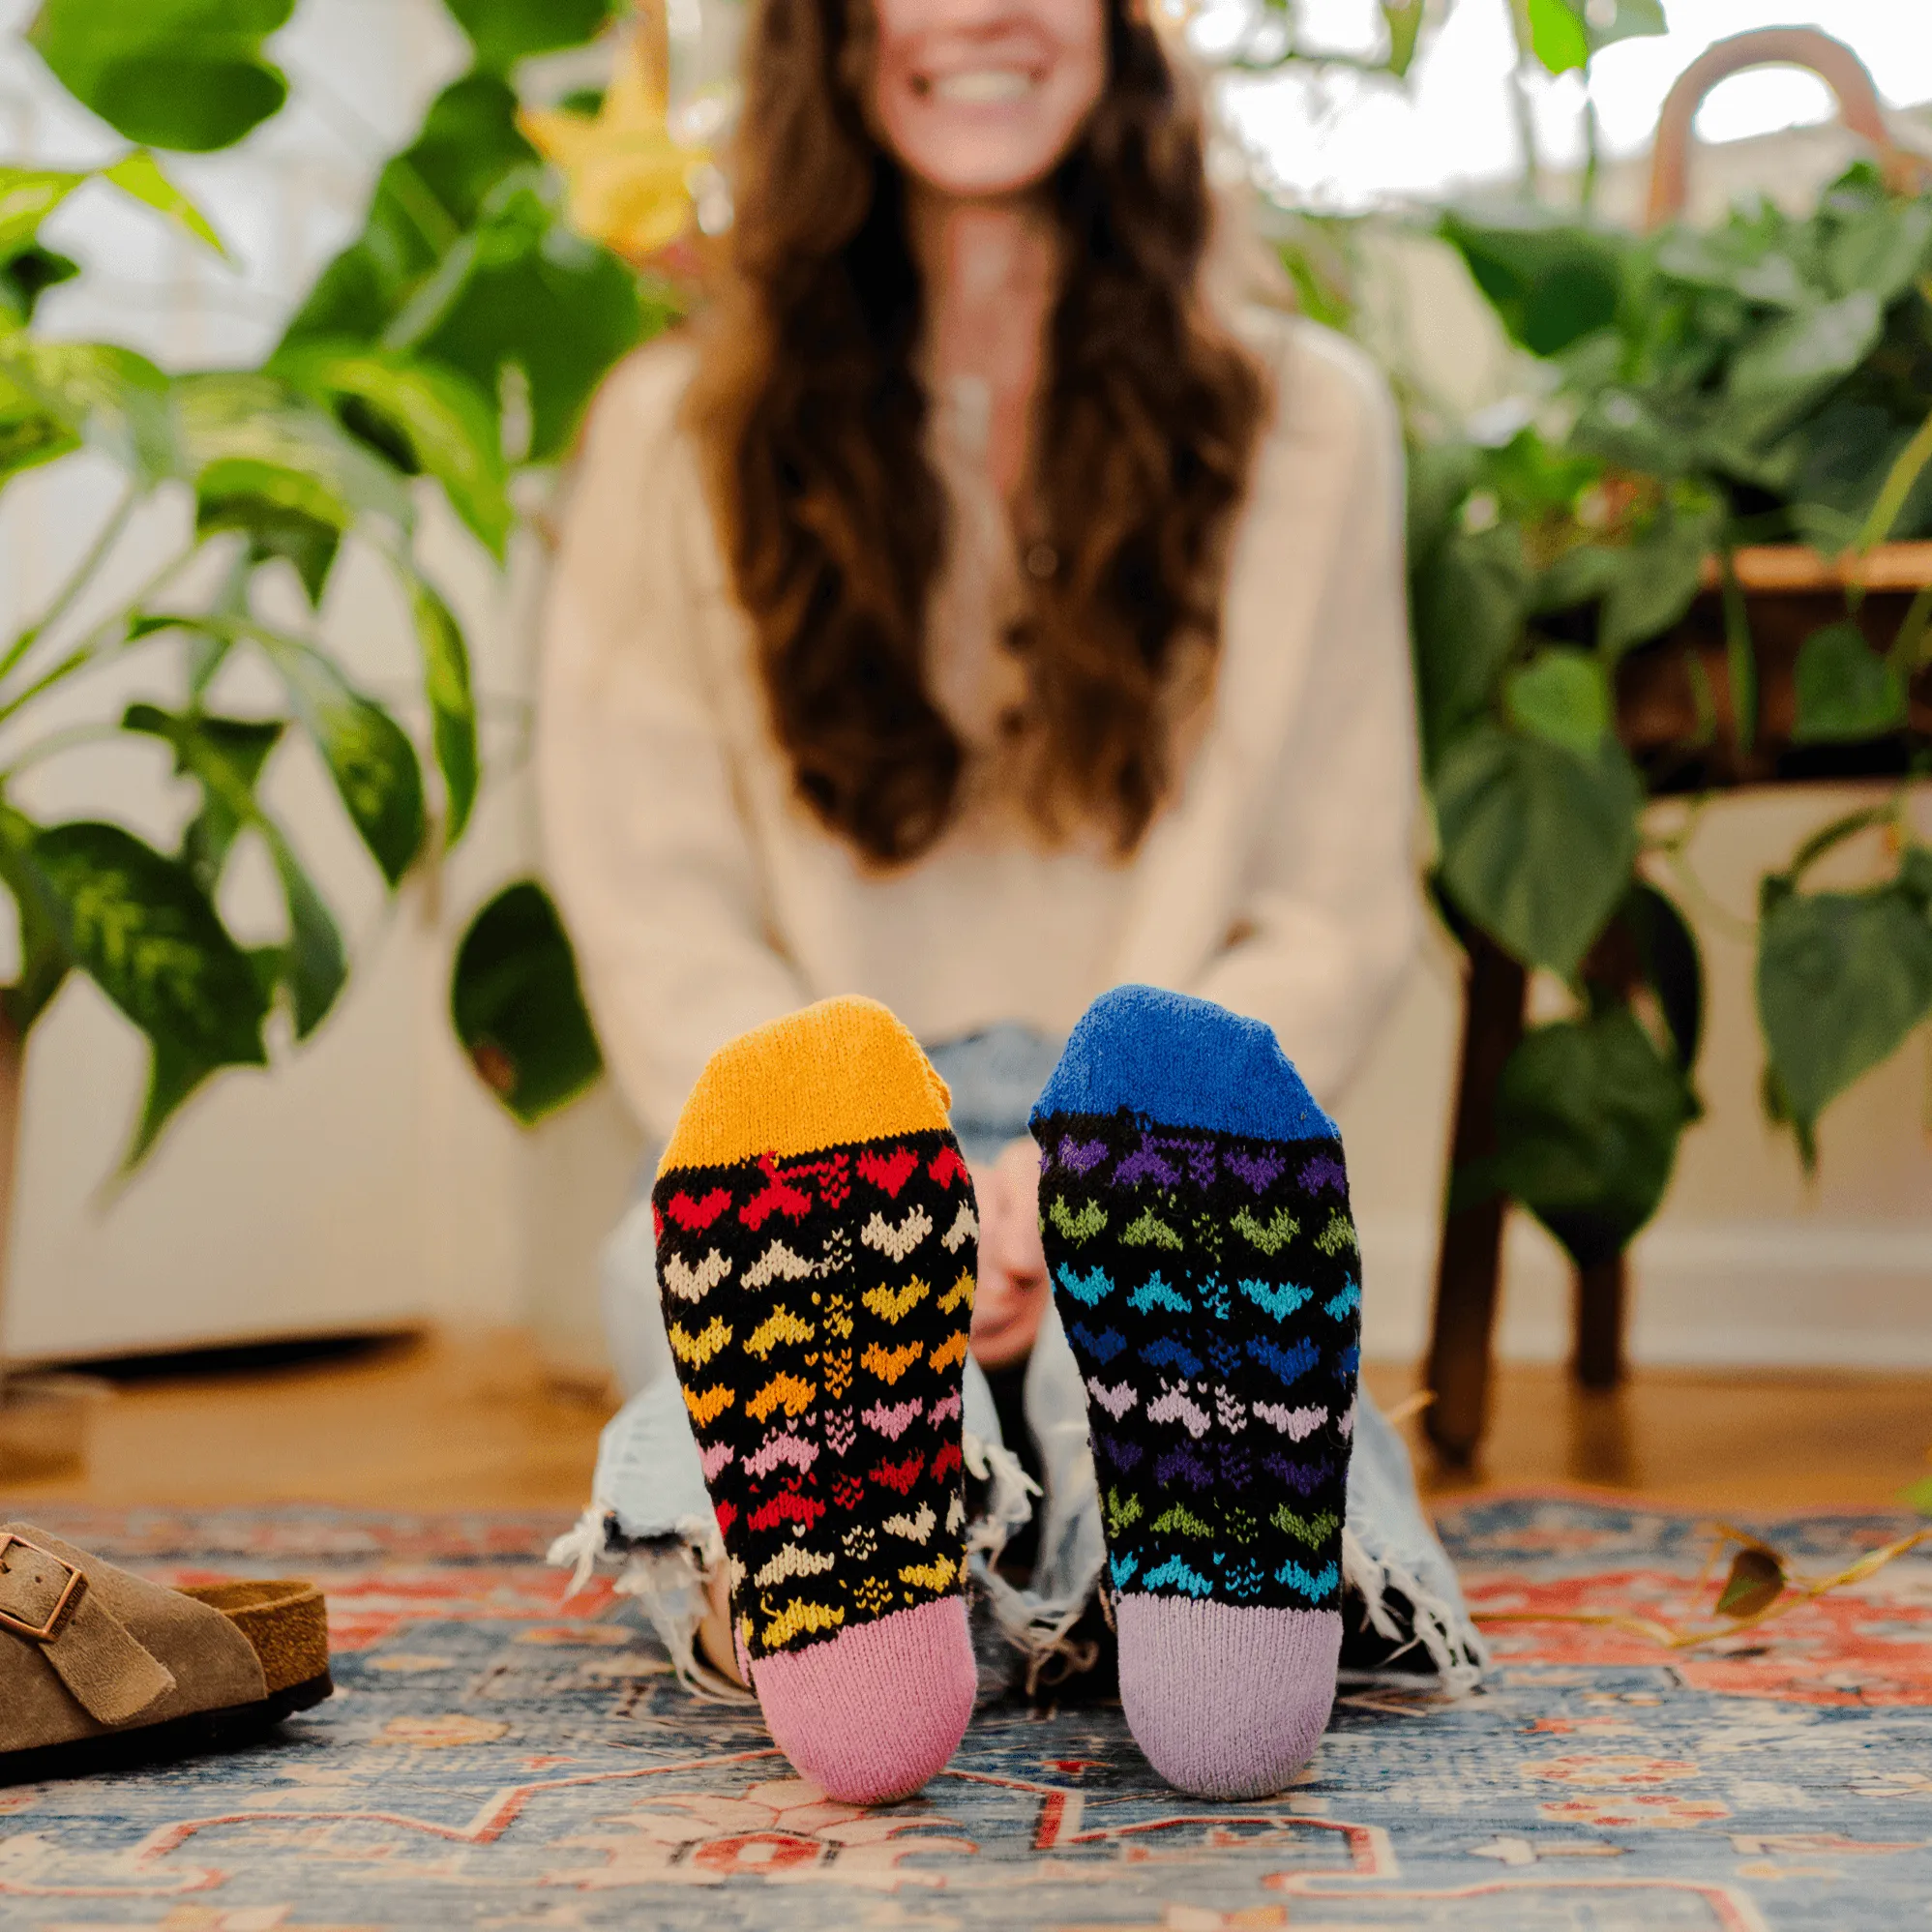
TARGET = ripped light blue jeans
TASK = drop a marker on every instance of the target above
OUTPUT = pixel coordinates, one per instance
(650, 1520)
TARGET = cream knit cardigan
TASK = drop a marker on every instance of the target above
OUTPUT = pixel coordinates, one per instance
(1281, 880)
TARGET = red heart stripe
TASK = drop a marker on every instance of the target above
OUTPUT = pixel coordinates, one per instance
(891, 1172)
(946, 1462)
(691, 1215)
(946, 1167)
(900, 1476)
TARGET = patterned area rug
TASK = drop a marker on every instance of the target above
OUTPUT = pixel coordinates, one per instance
(498, 1760)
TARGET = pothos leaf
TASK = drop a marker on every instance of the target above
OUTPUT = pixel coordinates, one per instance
(1557, 35)
(369, 755)
(43, 960)
(1842, 978)
(1845, 690)
(28, 196)
(139, 927)
(1538, 842)
(141, 176)
(452, 705)
(518, 1007)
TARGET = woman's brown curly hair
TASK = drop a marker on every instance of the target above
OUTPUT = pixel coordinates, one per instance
(812, 421)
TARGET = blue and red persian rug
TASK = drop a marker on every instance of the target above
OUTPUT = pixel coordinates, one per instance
(497, 1759)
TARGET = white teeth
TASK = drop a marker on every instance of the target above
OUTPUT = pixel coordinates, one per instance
(984, 86)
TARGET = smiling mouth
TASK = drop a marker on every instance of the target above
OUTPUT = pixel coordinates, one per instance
(981, 86)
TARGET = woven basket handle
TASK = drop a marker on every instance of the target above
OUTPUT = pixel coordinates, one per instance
(1832, 61)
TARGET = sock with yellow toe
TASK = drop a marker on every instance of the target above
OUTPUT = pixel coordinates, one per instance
(817, 1244)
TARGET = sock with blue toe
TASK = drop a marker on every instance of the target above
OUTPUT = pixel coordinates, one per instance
(1195, 1212)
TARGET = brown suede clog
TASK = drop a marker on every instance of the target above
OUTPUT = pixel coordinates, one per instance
(100, 1670)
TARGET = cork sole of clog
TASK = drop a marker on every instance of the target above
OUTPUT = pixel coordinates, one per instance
(286, 1625)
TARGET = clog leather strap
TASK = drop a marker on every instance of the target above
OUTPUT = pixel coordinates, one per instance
(45, 1602)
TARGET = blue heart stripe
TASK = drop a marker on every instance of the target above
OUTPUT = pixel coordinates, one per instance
(1102, 1347)
(1319, 1587)
(1344, 1303)
(1289, 1364)
(1093, 1288)
(1154, 1292)
(1280, 1302)
(1177, 1572)
(1168, 1353)
(1122, 1569)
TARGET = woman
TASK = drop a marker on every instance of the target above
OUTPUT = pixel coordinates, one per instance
(980, 610)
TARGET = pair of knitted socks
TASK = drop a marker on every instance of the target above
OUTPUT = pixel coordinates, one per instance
(817, 1246)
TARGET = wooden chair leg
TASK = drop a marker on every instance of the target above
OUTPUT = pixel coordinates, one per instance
(1472, 1253)
(1600, 1297)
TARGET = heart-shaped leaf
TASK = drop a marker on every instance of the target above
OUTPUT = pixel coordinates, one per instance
(1537, 844)
(518, 1007)
(188, 74)
(369, 755)
(139, 927)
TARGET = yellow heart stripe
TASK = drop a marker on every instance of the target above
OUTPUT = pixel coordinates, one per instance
(698, 1349)
(890, 1303)
(889, 1365)
(933, 1576)
(706, 1408)
(780, 1325)
(962, 1290)
(795, 1395)
(797, 1617)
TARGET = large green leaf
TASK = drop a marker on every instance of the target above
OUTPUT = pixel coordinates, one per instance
(1560, 696)
(141, 176)
(1588, 1118)
(1795, 362)
(1659, 578)
(452, 703)
(135, 922)
(526, 292)
(369, 755)
(109, 398)
(443, 425)
(313, 966)
(1471, 595)
(28, 196)
(1842, 978)
(1845, 689)
(170, 74)
(1882, 250)
(518, 1007)
(1557, 35)
(1551, 281)
(1537, 844)
(43, 962)
(246, 435)
(226, 756)
(504, 30)
(426, 200)
(27, 274)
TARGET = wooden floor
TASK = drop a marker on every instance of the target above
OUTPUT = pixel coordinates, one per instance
(454, 1424)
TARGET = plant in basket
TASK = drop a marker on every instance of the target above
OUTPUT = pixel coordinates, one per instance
(1699, 564)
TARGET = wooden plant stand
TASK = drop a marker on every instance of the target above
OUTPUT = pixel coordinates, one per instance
(1790, 592)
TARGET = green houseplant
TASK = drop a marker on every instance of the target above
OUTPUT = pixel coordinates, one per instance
(1766, 383)
(455, 341)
